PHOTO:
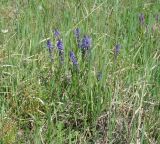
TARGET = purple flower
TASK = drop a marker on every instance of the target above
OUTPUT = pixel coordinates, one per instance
(86, 42)
(117, 49)
(50, 49)
(61, 50)
(77, 32)
(85, 46)
(56, 33)
(49, 44)
(141, 19)
(77, 35)
(60, 44)
(73, 58)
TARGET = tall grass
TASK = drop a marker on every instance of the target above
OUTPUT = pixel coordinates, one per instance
(107, 99)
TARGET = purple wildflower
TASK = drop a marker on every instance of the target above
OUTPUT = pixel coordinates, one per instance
(77, 32)
(50, 49)
(60, 45)
(117, 49)
(86, 42)
(73, 58)
(141, 19)
(49, 44)
(56, 33)
(61, 50)
(85, 45)
(77, 35)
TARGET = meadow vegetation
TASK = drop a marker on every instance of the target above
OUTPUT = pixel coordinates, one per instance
(102, 87)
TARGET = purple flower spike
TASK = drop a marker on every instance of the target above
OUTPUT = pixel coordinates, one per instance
(60, 45)
(117, 48)
(141, 19)
(50, 49)
(49, 44)
(56, 33)
(77, 35)
(61, 50)
(77, 32)
(85, 46)
(86, 42)
(73, 58)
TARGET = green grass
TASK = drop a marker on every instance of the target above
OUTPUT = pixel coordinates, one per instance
(48, 103)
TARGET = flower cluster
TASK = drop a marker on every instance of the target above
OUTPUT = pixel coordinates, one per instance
(154, 27)
(59, 46)
(83, 43)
